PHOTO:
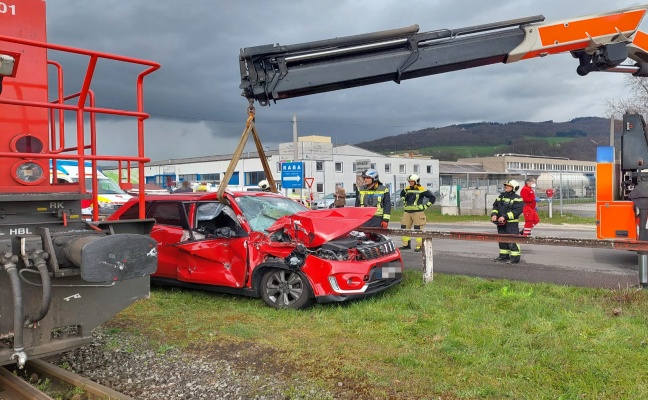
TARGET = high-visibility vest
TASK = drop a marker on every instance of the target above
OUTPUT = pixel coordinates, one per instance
(413, 197)
(375, 198)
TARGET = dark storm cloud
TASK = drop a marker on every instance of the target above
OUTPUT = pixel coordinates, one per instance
(198, 42)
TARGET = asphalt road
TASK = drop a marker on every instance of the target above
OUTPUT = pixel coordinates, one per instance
(574, 266)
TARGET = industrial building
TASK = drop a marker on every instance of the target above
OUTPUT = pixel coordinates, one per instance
(325, 166)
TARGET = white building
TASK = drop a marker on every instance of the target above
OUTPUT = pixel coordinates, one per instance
(325, 166)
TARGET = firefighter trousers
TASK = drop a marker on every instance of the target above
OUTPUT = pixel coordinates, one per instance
(509, 251)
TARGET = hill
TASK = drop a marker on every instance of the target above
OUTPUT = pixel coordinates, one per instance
(575, 139)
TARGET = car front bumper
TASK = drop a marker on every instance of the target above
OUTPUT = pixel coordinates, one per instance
(346, 282)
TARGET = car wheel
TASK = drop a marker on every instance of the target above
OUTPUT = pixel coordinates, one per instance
(332, 205)
(282, 288)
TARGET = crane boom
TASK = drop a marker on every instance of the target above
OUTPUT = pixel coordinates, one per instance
(601, 42)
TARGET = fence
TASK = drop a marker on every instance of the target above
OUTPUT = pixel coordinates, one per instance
(573, 193)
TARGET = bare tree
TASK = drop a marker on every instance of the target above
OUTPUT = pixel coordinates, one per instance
(636, 102)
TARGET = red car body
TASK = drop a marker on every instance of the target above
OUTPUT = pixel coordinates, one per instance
(266, 245)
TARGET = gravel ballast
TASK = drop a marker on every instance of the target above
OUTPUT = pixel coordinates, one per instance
(127, 364)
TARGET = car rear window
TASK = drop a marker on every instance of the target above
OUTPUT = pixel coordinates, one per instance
(133, 212)
(166, 213)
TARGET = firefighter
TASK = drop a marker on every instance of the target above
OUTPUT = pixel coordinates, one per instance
(374, 194)
(185, 188)
(507, 208)
(530, 212)
(416, 199)
(264, 185)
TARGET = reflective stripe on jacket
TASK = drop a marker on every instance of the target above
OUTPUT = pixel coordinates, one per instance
(375, 196)
(414, 198)
(508, 205)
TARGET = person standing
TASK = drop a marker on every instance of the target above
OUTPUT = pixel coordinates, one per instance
(340, 197)
(374, 194)
(185, 188)
(416, 199)
(507, 208)
(530, 212)
(264, 185)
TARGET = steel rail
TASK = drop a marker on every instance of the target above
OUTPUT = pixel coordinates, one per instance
(618, 244)
(61, 377)
(14, 387)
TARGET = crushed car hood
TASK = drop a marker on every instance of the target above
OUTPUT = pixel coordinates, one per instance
(321, 226)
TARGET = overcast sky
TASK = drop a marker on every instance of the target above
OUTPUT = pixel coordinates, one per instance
(195, 101)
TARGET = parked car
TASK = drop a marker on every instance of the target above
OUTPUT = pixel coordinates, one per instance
(396, 200)
(267, 245)
(328, 200)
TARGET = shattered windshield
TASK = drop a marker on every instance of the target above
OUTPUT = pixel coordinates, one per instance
(262, 211)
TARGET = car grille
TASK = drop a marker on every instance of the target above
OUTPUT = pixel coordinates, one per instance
(377, 250)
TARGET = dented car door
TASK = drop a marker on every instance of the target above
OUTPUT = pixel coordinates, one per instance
(216, 252)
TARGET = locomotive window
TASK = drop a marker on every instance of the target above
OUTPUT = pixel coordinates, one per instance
(166, 213)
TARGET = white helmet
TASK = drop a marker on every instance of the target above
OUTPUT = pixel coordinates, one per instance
(264, 185)
(370, 173)
(512, 183)
(414, 178)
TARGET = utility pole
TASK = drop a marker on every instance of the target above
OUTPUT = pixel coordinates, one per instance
(295, 150)
(296, 154)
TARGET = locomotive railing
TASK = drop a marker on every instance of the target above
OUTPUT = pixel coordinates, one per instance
(85, 107)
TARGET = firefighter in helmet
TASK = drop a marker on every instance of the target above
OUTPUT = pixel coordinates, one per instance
(507, 208)
(374, 194)
(264, 185)
(416, 199)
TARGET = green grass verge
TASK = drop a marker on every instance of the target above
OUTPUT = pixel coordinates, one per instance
(454, 338)
(463, 151)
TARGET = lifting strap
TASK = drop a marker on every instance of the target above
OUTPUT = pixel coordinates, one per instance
(249, 127)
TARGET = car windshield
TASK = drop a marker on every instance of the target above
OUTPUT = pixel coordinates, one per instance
(262, 211)
(105, 185)
(329, 196)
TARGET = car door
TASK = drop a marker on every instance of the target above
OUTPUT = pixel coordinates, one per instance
(169, 229)
(216, 254)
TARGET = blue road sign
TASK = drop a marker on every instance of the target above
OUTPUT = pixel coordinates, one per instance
(292, 175)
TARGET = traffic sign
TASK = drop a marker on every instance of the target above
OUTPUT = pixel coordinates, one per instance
(309, 182)
(292, 175)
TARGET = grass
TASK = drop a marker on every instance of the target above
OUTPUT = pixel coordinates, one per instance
(551, 140)
(484, 151)
(455, 338)
(464, 151)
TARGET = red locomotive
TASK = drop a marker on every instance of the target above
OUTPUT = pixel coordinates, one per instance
(61, 276)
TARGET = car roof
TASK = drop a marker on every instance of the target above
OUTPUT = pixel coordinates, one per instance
(194, 196)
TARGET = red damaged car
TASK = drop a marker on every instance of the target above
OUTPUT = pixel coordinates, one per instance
(267, 245)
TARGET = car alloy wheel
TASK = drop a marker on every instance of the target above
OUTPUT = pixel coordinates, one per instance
(281, 288)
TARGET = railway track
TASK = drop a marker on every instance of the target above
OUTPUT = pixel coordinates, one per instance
(64, 383)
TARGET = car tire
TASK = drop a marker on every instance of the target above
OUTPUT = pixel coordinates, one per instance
(332, 205)
(283, 288)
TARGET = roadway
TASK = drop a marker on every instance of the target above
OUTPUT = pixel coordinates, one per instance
(574, 266)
